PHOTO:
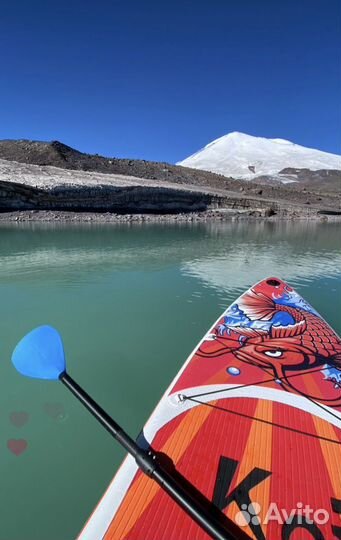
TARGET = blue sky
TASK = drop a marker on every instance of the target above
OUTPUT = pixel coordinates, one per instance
(159, 80)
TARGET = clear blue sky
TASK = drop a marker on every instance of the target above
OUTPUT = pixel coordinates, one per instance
(160, 79)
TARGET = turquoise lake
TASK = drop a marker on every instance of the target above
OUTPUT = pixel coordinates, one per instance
(131, 302)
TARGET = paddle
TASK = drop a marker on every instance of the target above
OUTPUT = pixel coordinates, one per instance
(40, 354)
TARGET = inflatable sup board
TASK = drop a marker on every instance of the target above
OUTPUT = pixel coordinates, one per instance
(252, 421)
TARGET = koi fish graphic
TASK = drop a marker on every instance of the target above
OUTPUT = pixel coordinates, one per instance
(304, 342)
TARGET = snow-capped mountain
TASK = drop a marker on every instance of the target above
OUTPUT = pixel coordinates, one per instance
(246, 157)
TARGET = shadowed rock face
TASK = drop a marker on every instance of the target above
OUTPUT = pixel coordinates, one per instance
(143, 199)
(127, 199)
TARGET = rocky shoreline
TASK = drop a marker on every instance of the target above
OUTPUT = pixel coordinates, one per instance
(40, 216)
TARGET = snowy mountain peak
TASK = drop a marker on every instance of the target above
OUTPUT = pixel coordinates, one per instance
(244, 156)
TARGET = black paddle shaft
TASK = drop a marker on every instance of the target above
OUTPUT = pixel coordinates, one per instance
(148, 463)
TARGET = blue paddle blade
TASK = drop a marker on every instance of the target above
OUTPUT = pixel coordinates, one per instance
(40, 354)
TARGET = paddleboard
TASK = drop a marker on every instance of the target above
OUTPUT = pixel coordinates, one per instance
(252, 421)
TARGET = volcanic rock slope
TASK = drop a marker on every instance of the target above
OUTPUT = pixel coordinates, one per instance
(50, 175)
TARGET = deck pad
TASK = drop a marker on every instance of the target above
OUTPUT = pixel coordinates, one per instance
(252, 421)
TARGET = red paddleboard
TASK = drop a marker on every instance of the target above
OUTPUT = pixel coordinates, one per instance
(252, 421)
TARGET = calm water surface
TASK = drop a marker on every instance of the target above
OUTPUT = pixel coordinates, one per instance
(131, 303)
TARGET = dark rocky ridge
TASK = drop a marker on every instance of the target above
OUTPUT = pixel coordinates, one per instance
(171, 188)
(57, 154)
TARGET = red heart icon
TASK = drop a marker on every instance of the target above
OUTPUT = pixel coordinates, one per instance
(17, 446)
(18, 418)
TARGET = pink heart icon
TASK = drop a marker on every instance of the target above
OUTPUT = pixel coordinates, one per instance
(18, 418)
(55, 410)
(17, 446)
